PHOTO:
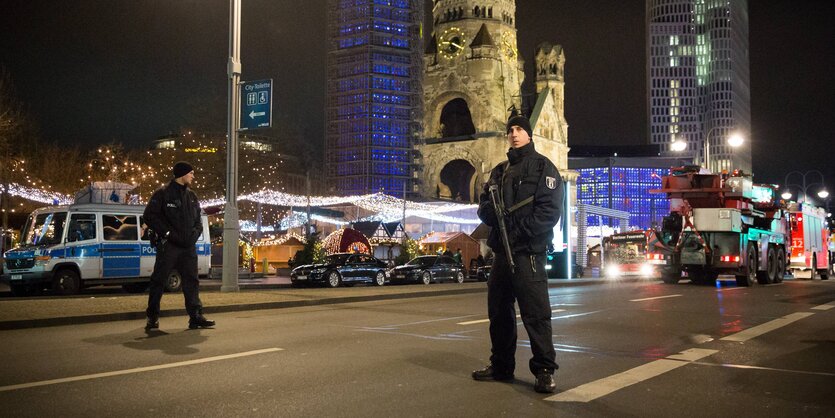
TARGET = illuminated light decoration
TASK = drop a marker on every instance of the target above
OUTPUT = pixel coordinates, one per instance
(298, 219)
(39, 195)
(203, 150)
(251, 226)
(282, 240)
(346, 240)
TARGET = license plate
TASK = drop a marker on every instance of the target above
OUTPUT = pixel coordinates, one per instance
(401, 276)
(17, 277)
(301, 277)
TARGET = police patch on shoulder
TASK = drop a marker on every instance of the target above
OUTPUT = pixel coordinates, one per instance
(551, 182)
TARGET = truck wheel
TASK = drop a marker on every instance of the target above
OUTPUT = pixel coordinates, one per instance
(751, 269)
(781, 266)
(814, 271)
(66, 282)
(671, 277)
(767, 276)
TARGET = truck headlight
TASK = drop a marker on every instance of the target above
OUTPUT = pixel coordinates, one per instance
(646, 270)
(613, 270)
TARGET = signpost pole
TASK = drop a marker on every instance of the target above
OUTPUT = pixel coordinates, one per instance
(231, 227)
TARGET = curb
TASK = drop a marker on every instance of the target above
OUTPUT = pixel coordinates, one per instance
(130, 316)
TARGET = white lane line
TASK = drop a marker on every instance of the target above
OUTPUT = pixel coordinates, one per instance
(766, 327)
(136, 370)
(727, 289)
(768, 369)
(825, 306)
(481, 321)
(602, 387)
(657, 297)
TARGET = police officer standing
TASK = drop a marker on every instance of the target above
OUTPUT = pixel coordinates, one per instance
(173, 213)
(530, 188)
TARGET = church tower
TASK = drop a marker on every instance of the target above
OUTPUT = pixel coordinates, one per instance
(472, 79)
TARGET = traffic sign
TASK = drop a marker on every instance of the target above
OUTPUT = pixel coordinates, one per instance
(256, 104)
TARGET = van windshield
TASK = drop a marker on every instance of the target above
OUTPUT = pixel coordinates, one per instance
(44, 229)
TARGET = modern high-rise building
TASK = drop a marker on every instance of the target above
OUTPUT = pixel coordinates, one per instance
(698, 85)
(374, 95)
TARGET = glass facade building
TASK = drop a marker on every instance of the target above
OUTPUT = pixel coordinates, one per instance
(374, 95)
(626, 189)
(698, 78)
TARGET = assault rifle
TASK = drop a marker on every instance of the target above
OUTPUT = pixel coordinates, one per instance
(498, 207)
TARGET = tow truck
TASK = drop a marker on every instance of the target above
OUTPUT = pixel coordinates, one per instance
(722, 223)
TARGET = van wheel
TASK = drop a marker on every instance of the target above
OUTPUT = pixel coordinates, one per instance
(66, 282)
(135, 287)
(174, 283)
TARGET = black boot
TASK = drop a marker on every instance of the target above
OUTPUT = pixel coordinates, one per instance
(152, 323)
(490, 373)
(199, 321)
(545, 382)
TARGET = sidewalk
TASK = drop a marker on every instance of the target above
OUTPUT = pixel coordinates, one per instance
(266, 293)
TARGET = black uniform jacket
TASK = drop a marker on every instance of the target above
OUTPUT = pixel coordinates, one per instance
(175, 211)
(530, 227)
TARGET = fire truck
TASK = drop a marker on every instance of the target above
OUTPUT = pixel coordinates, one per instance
(809, 240)
(723, 224)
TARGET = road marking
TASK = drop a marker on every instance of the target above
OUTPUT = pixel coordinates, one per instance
(766, 327)
(825, 306)
(727, 289)
(602, 387)
(657, 297)
(770, 369)
(136, 370)
(481, 321)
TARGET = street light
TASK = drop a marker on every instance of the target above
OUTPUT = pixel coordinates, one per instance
(735, 140)
(804, 186)
(231, 227)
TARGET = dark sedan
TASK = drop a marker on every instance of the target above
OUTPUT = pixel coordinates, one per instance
(343, 268)
(427, 269)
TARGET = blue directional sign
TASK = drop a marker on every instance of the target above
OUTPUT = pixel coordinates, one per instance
(256, 104)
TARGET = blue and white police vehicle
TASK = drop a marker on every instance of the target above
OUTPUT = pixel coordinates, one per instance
(67, 248)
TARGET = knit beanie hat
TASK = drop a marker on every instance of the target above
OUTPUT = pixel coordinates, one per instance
(181, 169)
(521, 122)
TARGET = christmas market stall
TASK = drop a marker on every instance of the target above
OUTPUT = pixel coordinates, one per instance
(439, 242)
(276, 253)
(386, 238)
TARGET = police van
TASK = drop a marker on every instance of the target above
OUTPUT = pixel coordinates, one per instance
(67, 248)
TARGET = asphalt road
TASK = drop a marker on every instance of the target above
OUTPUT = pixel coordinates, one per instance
(413, 357)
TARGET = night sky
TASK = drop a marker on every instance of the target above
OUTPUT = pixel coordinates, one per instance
(92, 72)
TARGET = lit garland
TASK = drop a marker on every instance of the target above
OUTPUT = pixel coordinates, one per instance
(387, 208)
(252, 226)
(282, 240)
(39, 195)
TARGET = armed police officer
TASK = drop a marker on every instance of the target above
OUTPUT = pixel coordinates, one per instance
(527, 191)
(173, 213)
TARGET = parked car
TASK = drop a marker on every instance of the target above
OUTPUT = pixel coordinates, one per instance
(483, 273)
(339, 269)
(427, 269)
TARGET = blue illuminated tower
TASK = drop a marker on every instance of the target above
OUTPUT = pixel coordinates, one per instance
(374, 95)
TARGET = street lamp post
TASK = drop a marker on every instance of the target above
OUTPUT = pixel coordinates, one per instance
(230, 213)
(735, 140)
(804, 186)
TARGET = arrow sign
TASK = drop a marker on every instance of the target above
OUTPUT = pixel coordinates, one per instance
(257, 104)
